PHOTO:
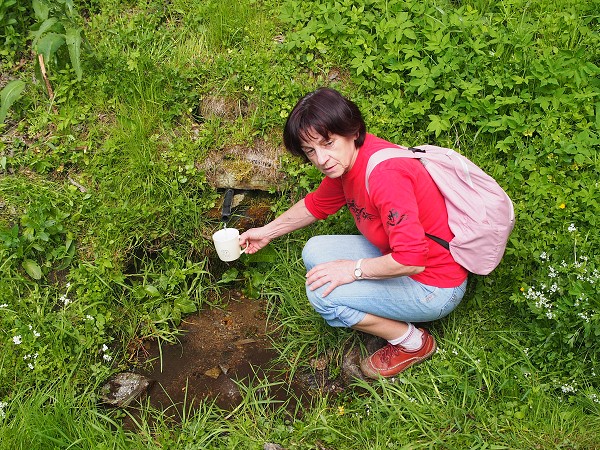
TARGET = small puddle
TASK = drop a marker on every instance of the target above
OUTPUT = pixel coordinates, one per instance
(217, 348)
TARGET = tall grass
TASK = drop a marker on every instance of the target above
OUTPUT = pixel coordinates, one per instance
(115, 170)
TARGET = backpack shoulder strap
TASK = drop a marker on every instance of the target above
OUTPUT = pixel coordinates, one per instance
(399, 152)
(389, 153)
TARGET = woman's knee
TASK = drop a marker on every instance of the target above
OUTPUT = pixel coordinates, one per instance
(315, 251)
(336, 314)
(319, 304)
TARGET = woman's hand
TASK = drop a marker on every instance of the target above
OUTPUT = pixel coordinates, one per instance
(335, 273)
(255, 238)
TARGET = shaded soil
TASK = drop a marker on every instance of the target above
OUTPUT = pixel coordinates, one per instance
(217, 350)
(223, 352)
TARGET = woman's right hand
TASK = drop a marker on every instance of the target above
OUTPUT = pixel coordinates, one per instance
(255, 239)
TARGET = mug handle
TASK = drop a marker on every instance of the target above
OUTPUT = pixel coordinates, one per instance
(244, 249)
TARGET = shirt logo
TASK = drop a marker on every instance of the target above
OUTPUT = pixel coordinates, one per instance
(395, 218)
(359, 213)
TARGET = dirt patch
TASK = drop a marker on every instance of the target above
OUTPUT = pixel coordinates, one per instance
(222, 351)
(217, 349)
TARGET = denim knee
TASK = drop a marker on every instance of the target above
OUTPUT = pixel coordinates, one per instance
(312, 253)
(335, 314)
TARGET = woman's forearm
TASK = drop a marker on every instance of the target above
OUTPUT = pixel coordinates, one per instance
(386, 267)
(293, 219)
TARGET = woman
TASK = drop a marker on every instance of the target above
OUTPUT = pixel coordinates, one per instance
(391, 275)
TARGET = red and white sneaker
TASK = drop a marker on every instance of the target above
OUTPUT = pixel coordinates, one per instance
(393, 359)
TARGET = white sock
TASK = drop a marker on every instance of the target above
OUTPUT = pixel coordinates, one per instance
(411, 340)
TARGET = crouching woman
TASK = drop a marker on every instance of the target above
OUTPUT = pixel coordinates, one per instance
(391, 275)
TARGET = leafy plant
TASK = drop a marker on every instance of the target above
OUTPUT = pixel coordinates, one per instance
(56, 27)
(15, 18)
(8, 95)
(40, 241)
(563, 297)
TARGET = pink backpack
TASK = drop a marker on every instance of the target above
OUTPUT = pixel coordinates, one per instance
(480, 214)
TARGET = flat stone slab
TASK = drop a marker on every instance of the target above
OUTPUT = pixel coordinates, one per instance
(124, 387)
(244, 168)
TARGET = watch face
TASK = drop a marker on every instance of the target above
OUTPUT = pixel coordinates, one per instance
(357, 273)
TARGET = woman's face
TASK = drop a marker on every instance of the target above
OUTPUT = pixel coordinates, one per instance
(333, 156)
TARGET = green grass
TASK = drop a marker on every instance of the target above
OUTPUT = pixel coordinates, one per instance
(100, 191)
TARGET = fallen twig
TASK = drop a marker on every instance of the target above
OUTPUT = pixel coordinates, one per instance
(77, 185)
(46, 80)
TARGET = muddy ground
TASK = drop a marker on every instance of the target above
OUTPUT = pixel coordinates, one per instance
(220, 351)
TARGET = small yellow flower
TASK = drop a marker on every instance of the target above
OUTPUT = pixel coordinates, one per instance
(522, 289)
(340, 410)
(562, 206)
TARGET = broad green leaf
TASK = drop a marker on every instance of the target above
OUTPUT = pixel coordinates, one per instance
(163, 312)
(49, 44)
(70, 249)
(266, 255)
(438, 124)
(229, 275)
(185, 305)
(33, 269)
(70, 7)
(73, 39)
(151, 290)
(44, 27)
(10, 94)
(409, 33)
(41, 9)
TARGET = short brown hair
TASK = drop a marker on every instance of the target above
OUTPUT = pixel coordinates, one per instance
(327, 112)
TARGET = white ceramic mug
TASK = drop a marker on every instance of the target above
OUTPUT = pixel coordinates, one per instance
(227, 243)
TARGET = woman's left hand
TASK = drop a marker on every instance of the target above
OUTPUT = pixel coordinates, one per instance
(335, 273)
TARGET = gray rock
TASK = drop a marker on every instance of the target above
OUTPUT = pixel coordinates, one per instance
(271, 446)
(351, 366)
(123, 387)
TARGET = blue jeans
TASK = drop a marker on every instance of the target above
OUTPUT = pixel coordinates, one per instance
(399, 298)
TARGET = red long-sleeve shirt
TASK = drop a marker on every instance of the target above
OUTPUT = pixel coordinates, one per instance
(404, 203)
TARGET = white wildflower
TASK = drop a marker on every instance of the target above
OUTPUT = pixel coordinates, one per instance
(64, 299)
(544, 256)
(572, 228)
(104, 347)
(31, 366)
(107, 357)
(4, 305)
(17, 339)
(584, 316)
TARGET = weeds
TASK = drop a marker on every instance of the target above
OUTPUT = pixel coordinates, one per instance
(105, 224)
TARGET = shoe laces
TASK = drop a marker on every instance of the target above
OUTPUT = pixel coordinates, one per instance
(389, 351)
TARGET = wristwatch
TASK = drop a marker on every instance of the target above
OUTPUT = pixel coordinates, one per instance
(358, 273)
